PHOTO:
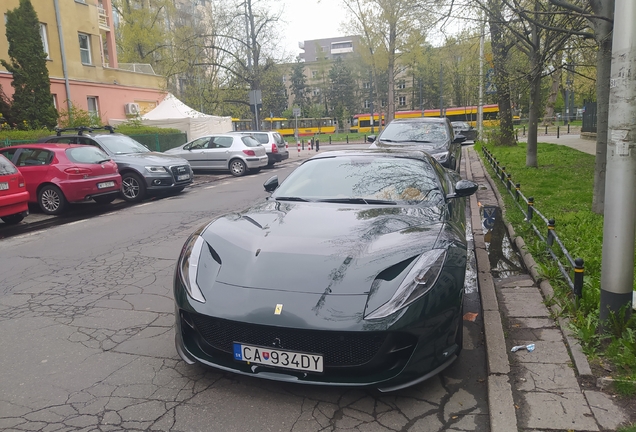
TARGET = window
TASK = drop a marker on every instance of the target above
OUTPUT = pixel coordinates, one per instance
(402, 101)
(383, 102)
(314, 74)
(85, 48)
(366, 85)
(93, 108)
(401, 84)
(45, 40)
(54, 100)
(367, 104)
(316, 92)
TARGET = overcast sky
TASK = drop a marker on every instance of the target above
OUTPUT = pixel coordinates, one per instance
(308, 20)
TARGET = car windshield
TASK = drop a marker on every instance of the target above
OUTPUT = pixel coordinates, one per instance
(87, 155)
(461, 125)
(6, 167)
(121, 144)
(414, 132)
(362, 179)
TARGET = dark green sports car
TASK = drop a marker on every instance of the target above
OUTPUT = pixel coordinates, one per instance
(372, 249)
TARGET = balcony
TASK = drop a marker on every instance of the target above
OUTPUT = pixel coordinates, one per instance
(103, 18)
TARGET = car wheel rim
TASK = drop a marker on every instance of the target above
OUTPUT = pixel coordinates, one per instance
(237, 168)
(130, 187)
(50, 200)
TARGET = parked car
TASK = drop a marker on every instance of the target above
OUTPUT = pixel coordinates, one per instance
(464, 129)
(375, 250)
(14, 198)
(143, 172)
(57, 174)
(273, 142)
(236, 153)
(433, 135)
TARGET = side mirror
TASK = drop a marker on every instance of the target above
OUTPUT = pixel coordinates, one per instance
(463, 188)
(371, 138)
(271, 184)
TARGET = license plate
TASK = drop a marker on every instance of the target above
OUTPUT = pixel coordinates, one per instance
(104, 185)
(183, 177)
(4, 186)
(278, 358)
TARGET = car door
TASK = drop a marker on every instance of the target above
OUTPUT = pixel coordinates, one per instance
(220, 152)
(35, 166)
(196, 152)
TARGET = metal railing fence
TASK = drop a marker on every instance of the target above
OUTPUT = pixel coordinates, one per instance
(576, 265)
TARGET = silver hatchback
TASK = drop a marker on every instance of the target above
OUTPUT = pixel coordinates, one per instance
(238, 154)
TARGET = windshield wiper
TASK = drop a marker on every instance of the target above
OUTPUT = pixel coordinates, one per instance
(357, 201)
(291, 198)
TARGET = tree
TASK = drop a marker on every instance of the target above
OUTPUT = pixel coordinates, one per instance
(341, 93)
(274, 91)
(299, 86)
(387, 26)
(600, 14)
(32, 103)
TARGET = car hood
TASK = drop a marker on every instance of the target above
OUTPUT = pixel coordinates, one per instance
(318, 248)
(153, 158)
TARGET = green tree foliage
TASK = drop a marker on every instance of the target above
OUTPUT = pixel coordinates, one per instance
(299, 86)
(273, 91)
(341, 93)
(32, 103)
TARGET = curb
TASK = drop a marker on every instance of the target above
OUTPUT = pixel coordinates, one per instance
(501, 408)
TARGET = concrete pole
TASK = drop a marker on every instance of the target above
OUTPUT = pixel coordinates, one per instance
(480, 108)
(619, 226)
(67, 86)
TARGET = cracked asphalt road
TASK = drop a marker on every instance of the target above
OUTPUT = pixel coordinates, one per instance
(87, 339)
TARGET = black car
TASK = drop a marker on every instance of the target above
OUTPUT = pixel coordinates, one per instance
(464, 129)
(375, 250)
(143, 172)
(433, 135)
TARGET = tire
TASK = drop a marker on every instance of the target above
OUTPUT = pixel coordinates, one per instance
(133, 187)
(51, 200)
(105, 199)
(13, 219)
(237, 167)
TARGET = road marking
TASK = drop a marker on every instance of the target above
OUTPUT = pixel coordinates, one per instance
(210, 187)
(76, 222)
(145, 204)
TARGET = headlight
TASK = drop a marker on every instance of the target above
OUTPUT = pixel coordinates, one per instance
(441, 157)
(156, 169)
(189, 265)
(417, 282)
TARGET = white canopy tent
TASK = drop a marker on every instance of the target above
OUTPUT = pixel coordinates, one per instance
(172, 113)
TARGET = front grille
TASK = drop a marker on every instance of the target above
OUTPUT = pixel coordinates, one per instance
(180, 170)
(338, 348)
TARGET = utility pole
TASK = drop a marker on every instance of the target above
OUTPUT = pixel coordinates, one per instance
(371, 100)
(480, 108)
(441, 90)
(619, 226)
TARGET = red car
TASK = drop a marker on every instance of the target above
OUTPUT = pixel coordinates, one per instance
(14, 198)
(57, 174)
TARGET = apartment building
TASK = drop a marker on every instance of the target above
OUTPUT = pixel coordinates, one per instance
(82, 60)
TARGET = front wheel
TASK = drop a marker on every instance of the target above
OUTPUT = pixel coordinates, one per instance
(133, 188)
(237, 167)
(51, 200)
(13, 219)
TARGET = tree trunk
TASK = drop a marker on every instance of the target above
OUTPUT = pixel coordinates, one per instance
(603, 35)
(554, 92)
(499, 50)
(533, 119)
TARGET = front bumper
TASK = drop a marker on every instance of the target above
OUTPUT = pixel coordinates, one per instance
(173, 178)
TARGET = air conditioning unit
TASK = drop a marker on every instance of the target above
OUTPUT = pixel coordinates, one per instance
(131, 109)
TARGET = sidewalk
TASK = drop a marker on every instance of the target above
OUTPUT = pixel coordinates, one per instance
(571, 140)
(551, 387)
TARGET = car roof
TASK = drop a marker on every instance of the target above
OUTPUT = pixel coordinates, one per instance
(48, 146)
(383, 152)
(421, 120)
(251, 132)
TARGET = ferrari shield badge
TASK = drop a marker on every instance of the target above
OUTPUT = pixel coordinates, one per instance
(278, 309)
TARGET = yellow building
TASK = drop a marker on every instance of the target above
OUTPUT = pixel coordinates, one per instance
(79, 38)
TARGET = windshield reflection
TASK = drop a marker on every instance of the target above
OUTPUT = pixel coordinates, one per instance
(121, 144)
